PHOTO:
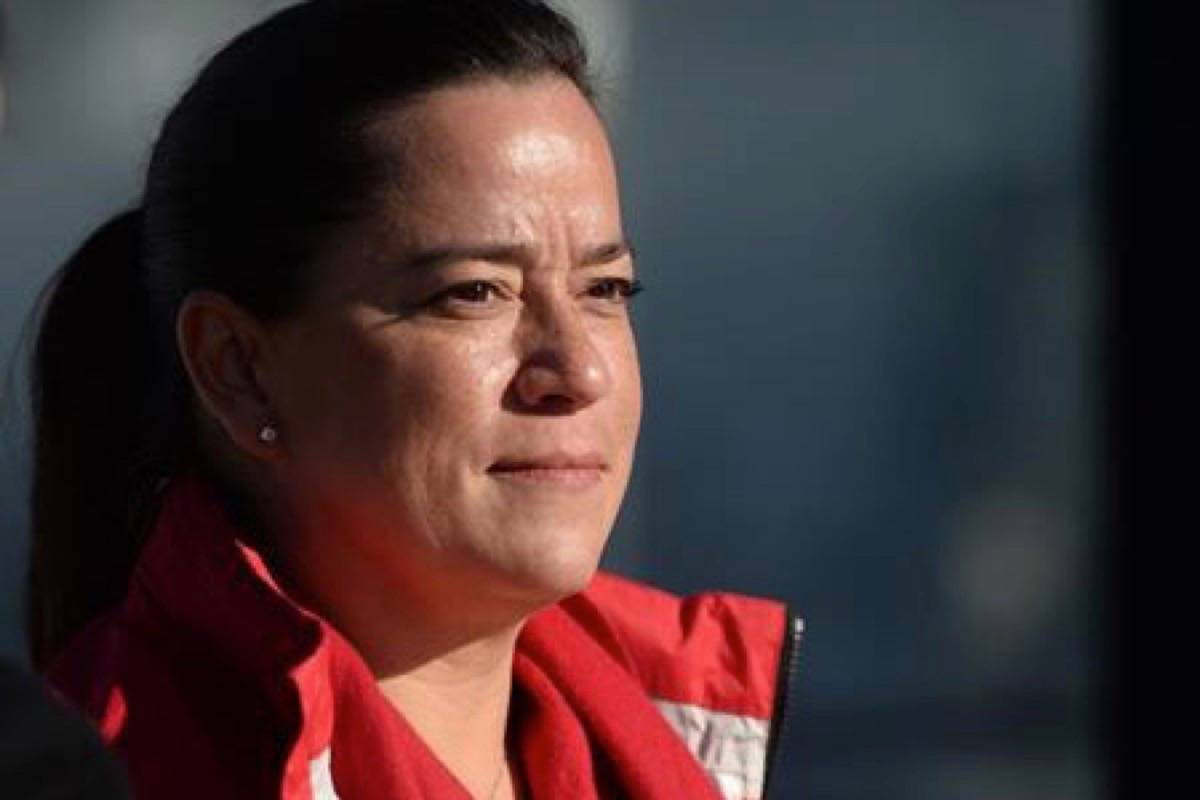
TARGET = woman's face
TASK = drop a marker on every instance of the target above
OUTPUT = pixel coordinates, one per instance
(459, 400)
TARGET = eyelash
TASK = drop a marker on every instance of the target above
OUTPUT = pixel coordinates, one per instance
(625, 290)
(615, 290)
(477, 288)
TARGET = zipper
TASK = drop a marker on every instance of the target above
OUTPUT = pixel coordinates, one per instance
(785, 682)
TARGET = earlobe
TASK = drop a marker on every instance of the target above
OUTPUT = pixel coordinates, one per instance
(220, 345)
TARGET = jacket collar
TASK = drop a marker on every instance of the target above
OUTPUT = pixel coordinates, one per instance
(588, 719)
(197, 568)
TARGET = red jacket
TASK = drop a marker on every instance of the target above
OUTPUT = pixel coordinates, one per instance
(211, 683)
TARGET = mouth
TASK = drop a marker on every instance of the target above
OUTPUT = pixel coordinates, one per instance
(555, 469)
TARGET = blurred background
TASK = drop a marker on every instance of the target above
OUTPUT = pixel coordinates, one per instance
(870, 341)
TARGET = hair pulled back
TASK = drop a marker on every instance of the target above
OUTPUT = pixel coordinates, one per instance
(261, 159)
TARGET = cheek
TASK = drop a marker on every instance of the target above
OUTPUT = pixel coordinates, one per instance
(385, 400)
(627, 387)
(447, 387)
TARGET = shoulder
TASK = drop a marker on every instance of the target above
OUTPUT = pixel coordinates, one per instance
(717, 665)
(171, 714)
(720, 650)
(88, 674)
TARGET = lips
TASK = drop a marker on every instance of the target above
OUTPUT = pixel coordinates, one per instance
(551, 469)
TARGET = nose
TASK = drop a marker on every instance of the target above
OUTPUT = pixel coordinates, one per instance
(563, 370)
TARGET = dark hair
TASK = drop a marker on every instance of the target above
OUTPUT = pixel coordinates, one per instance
(263, 157)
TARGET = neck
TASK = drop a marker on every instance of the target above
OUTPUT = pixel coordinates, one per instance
(454, 693)
(459, 704)
(444, 666)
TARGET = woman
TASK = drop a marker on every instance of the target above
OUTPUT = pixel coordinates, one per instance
(331, 432)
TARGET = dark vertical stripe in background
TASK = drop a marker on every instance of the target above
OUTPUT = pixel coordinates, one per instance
(1151, 216)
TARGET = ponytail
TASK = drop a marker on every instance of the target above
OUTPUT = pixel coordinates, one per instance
(97, 365)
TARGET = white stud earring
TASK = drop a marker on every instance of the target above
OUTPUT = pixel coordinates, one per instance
(268, 434)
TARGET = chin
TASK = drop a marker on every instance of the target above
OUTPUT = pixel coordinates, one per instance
(554, 573)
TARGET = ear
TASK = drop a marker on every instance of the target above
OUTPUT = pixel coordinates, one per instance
(221, 346)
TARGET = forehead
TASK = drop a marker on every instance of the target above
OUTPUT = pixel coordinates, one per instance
(495, 154)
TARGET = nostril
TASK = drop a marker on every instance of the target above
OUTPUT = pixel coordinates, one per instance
(556, 404)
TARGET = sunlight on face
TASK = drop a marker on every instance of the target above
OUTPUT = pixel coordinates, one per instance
(462, 397)
(540, 151)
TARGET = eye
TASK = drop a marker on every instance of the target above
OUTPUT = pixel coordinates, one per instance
(614, 290)
(469, 292)
(469, 299)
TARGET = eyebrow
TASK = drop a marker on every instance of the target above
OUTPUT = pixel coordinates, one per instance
(505, 253)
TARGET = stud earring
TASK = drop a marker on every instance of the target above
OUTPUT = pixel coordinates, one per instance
(268, 434)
